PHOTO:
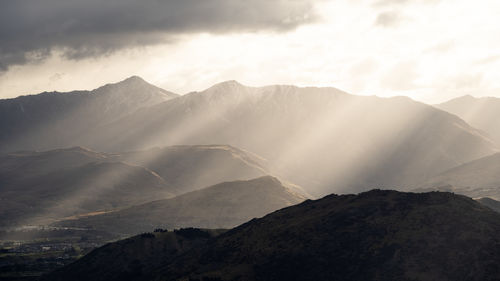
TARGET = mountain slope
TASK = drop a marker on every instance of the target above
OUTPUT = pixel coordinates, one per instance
(223, 205)
(321, 138)
(377, 235)
(37, 187)
(482, 113)
(479, 178)
(191, 167)
(490, 203)
(51, 120)
(96, 186)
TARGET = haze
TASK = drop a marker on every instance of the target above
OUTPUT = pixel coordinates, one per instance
(429, 50)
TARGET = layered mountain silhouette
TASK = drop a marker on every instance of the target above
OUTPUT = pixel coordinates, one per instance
(320, 138)
(53, 120)
(482, 113)
(377, 235)
(38, 187)
(479, 178)
(224, 205)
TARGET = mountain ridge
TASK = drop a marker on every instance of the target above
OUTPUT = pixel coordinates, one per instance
(33, 183)
(222, 205)
(281, 123)
(321, 138)
(478, 178)
(69, 115)
(481, 112)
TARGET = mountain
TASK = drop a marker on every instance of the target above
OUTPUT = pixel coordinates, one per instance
(376, 235)
(52, 119)
(191, 167)
(224, 205)
(491, 203)
(39, 190)
(479, 178)
(320, 138)
(39, 187)
(481, 113)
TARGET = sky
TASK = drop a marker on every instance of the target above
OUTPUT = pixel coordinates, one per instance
(429, 50)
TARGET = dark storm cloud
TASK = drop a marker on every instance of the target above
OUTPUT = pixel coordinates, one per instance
(31, 29)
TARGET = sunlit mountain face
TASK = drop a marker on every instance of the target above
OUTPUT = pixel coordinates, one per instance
(482, 113)
(322, 139)
(252, 140)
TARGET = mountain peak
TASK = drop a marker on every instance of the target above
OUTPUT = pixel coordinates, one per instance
(230, 83)
(227, 85)
(137, 87)
(134, 79)
(466, 97)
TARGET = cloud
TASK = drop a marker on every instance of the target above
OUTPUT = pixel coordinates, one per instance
(441, 48)
(465, 82)
(364, 67)
(388, 19)
(488, 59)
(31, 30)
(401, 77)
(384, 3)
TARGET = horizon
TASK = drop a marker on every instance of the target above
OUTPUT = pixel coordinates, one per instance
(245, 85)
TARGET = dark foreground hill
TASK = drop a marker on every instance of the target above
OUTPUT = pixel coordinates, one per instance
(376, 235)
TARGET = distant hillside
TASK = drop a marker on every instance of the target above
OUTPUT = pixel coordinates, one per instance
(492, 204)
(191, 167)
(96, 186)
(38, 187)
(51, 119)
(377, 235)
(479, 178)
(224, 205)
(482, 113)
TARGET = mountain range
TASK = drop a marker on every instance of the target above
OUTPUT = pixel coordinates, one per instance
(320, 138)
